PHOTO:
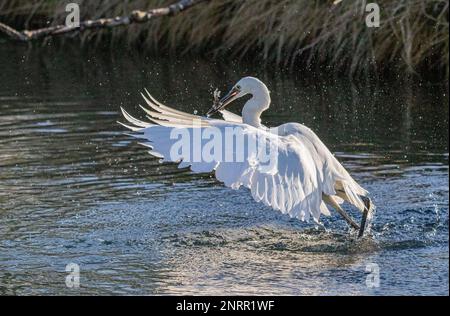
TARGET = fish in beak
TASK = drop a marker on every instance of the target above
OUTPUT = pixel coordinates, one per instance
(222, 103)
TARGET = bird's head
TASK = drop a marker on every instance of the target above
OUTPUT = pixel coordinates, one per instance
(247, 85)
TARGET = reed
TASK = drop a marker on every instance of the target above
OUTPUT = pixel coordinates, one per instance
(413, 35)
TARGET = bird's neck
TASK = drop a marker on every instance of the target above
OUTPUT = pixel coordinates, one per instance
(252, 110)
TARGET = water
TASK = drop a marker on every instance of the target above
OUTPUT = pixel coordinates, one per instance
(74, 189)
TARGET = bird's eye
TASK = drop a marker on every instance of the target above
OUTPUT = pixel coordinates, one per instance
(238, 87)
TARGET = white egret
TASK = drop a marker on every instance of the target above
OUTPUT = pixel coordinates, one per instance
(305, 178)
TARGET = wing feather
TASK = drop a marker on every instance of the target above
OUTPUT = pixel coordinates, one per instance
(230, 116)
(333, 177)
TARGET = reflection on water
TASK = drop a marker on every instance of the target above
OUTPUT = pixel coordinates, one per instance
(73, 188)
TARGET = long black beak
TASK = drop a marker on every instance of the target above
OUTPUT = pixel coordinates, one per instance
(227, 99)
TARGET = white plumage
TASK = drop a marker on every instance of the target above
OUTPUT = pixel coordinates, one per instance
(305, 178)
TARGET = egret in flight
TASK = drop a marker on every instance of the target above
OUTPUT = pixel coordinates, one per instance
(304, 180)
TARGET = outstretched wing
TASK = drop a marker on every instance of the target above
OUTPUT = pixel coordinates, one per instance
(278, 170)
(337, 184)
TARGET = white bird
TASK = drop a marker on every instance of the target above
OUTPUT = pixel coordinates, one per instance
(305, 179)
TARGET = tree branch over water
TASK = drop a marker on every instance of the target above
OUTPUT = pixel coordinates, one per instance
(136, 16)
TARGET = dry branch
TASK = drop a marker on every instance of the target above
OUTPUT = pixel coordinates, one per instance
(136, 16)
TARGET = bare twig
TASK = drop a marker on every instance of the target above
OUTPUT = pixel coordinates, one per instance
(136, 16)
(12, 33)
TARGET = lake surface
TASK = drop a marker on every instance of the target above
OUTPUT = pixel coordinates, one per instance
(75, 189)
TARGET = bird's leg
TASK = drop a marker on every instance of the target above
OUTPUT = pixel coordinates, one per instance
(367, 212)
(348, 219)
(331, 201)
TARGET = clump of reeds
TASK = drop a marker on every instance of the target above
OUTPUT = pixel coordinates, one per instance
(413, 34)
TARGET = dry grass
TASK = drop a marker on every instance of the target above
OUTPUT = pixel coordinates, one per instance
(413, 35)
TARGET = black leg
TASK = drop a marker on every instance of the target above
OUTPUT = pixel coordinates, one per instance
(348, 219)
(367, 210)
